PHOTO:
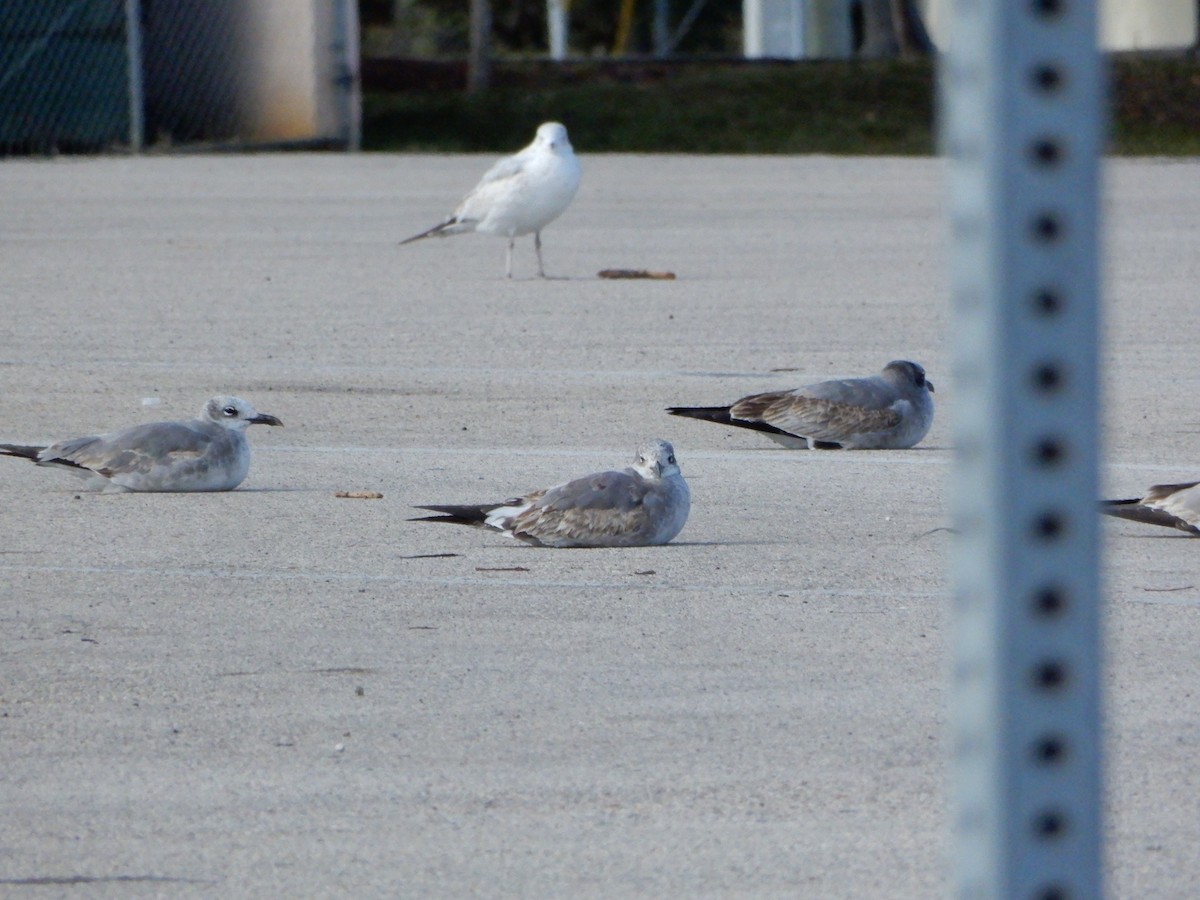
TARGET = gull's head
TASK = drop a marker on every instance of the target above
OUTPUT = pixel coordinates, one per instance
(656, 460)
(901, 372)
(554, 136)
(235, 414)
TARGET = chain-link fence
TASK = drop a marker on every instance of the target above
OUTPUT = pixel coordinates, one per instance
(64, 75)
(96, 75)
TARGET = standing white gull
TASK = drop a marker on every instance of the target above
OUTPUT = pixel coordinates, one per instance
(891, 410)
(1171, 505)
(520, 194)
(208, 453)
(644, 505)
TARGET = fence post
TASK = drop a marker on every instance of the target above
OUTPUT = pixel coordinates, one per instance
(479, 60)
(133, 52)
(557, 23)
(349, 82)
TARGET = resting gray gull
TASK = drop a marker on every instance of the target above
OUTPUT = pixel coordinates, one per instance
(208, 453)
(643, 505)
(891, 410)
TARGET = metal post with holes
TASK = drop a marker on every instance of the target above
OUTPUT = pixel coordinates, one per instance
(1023, 129)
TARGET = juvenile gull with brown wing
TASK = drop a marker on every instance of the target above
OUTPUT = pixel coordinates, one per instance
(891, 410)
(520, 194)
(208, 453)
(643, 505)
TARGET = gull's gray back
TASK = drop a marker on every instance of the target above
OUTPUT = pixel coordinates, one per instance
(608, 509)
(615, 491)
(857, 413)
(162, 456)
(868, 393)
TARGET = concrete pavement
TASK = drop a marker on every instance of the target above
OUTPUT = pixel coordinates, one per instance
(276, 692)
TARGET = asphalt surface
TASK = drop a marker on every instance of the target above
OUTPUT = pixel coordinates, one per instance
(278, 692)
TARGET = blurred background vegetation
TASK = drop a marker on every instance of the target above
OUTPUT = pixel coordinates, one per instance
(705, 98)
(424, 28)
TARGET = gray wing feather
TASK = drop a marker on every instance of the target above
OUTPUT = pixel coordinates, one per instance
(134, 450)
(477, 204)
(599, 507)
(1180, 500)
(1170, 505)
(869, 393)
(815, 417)
(502, 168)
(473, 207)
(617, 491)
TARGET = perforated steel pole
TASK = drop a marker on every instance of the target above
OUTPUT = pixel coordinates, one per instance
(1023, 129)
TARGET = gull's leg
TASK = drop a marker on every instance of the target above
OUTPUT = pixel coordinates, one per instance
(537, 245)
(508, 257)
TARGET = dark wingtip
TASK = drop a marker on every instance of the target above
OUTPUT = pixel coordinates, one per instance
(707, 413)
(721, 415)
(459, 515)
(1136, 511)
(428, 232)
(21, 451)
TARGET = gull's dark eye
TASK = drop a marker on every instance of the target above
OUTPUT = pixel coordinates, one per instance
(230, 411)
(671, 459)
